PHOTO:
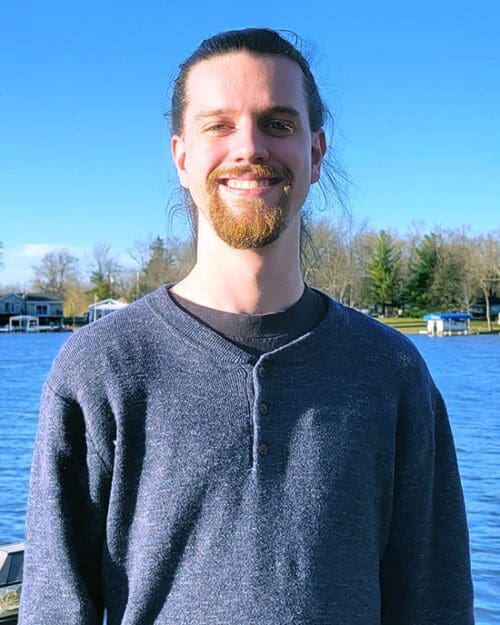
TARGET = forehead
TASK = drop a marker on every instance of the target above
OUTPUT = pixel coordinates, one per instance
(240, 81)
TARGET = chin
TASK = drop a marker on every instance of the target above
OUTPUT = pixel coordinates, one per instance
(252, 225)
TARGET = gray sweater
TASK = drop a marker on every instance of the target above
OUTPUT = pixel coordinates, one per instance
(178, 480)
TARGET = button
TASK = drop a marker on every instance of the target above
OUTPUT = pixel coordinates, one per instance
(263, 449)
(261, 372)
(263, 409)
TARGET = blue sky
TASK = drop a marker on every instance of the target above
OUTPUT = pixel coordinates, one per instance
(84, 149)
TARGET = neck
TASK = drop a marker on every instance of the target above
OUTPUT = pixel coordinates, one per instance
(245, 281)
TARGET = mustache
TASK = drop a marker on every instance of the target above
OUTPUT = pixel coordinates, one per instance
(253, 171)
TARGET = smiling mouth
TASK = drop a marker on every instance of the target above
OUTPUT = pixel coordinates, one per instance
(259, 183)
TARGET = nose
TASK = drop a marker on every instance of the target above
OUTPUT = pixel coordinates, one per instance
(250, 144)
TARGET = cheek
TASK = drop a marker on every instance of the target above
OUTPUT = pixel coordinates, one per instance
(298, 159)
(201, 153)
(303, 172)
(199, 167)
(302, 181)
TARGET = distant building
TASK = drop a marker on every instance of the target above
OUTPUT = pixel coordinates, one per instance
(447, 323)
(47, 311)
(478, 308)
(11, 575)
(104, 307)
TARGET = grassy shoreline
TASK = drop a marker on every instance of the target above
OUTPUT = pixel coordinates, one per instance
(409, 325)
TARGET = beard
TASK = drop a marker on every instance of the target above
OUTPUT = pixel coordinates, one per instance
(252, 223)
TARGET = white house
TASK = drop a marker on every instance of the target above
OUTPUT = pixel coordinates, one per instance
(104, 307)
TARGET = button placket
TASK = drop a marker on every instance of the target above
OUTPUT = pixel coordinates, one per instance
(263, 449)
(261, 372)
(260, 410)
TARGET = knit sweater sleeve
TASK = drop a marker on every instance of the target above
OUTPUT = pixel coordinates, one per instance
(66, 520)
(425, 570)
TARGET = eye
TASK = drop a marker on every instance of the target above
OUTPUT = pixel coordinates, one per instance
(280, 126)
(217, 128)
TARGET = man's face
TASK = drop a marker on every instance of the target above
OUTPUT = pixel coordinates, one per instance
(247, 154)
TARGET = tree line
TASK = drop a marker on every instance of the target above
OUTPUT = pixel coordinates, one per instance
(380, 272)
(383, 272)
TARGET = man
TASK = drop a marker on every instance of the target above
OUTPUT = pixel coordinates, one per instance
(239, 448)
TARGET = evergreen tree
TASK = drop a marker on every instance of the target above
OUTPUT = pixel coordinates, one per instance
(383, 272)
(103, 285)
(159, 269)
(418, 295)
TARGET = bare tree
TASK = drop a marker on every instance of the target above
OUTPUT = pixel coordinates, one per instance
(459, 242)
(56, 272)
(76, 300)
(331, 259)
(140, 253)
(483, 257)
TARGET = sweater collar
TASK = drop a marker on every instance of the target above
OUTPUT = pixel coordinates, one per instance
(208, 342)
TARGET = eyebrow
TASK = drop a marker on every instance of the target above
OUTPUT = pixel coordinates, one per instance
(273, 110)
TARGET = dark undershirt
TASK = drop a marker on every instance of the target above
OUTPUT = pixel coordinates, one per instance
(258, 334)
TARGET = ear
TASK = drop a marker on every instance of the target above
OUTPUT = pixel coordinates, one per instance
(318, 151)
(179, 155)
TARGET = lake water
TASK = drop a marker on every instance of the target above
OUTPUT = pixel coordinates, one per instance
(466, 369)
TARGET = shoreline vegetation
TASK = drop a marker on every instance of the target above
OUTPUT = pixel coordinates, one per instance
(409, 325)
(383, 273)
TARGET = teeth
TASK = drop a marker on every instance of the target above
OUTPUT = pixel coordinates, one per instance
(234, 183)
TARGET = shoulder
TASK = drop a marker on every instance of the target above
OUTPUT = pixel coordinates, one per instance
(119, 344)
(374, 344)
(117, 328)
(385, 366)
